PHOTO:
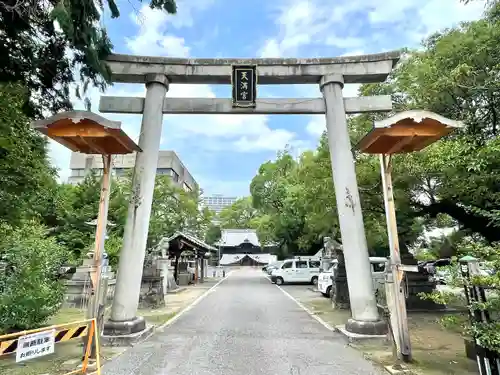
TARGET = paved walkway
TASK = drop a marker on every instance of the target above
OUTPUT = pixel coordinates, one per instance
(245, 326)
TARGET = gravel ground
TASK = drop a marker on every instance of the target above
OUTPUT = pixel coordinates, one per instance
(245, 326)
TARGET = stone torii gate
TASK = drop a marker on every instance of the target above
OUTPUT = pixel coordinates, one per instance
(330, 73)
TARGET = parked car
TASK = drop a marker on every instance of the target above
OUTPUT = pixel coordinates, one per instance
(378, 264)
(270, 267)
(325, 279)
(431, 266)
(443, 275)
(296, 271)
(274, 267)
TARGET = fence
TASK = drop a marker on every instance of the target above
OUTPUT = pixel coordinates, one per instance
(488, 361)
(35, 343)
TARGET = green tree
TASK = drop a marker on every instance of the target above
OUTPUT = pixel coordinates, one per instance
(488, 255)
(47, 59)
(277, 193)
(239, 215)
(455, 75)
(30, 291)
(27, 181)
(77, 205)
(175, 209)
(213, 234)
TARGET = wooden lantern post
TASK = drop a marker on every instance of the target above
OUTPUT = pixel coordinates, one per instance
(404, 132)
(89, 133)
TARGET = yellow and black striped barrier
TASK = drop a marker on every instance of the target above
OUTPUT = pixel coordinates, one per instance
(62, 333)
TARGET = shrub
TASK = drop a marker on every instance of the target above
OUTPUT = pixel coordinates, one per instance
(487, 333)
(30, 291)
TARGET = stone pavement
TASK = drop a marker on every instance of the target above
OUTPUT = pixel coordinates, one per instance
(175, 302)
(245, 326)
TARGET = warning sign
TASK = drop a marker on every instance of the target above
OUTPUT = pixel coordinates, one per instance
(35, 345)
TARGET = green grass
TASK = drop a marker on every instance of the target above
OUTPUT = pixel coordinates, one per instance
(67, 315)
(159, 319)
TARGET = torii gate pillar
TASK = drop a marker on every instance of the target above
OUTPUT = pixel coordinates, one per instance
(123, 320)
(365, 317)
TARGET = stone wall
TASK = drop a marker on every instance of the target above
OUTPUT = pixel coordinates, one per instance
(152, 294)
(78, 293)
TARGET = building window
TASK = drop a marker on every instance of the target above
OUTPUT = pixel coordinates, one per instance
(175, 176)
(164, 171)
(168, 172)
(120, 171)
(78, 172)
(186, 187)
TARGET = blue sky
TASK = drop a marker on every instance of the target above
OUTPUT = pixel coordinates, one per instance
(223, 152)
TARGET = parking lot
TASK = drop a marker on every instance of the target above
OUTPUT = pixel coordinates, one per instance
(304, 293)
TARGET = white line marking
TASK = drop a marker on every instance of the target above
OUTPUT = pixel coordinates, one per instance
(312, 314)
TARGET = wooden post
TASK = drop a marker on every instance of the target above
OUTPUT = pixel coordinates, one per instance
(196, 268)
(396, 300)
(95, 275)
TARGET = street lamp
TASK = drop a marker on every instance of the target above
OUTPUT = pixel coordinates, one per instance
(89, 133)
(402, 133)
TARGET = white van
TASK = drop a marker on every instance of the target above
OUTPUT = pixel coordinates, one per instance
(378, 275)
(296, 271)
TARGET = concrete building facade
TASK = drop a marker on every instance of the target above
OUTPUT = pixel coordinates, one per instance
(168, 164)
(218, 202)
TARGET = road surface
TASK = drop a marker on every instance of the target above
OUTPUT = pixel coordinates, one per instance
(245, 326)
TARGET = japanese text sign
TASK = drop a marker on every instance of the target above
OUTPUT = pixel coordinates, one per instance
(35, 345)
(244, 81)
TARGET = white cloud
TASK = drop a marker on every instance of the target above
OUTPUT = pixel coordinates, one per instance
(228, 188)
(240, 133)
(152, 39)
(184, 18)
(354, 27)
(265, 140)
(303, 23)
(316, 125)
(271, 49)
(431, 13)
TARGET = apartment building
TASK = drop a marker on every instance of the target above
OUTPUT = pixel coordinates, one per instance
(218, 202)
(168, 164)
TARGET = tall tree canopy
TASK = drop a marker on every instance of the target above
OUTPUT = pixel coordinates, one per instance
(454, 182)
(27, 180)
(47, 56)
